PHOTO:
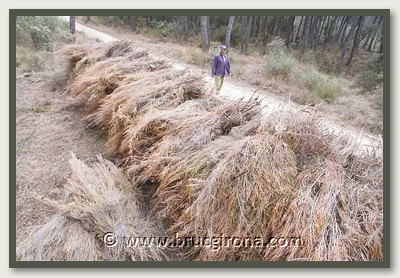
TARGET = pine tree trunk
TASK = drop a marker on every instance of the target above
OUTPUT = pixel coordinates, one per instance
(306, 31)
(229, 31)
(246, 34)
(298, 29)
(205, 45)
(289, 31)
(381, 44)
(321, 28)
(346, 40)
(72, 24)
(356, 40)
(132, 23)
(374, 37)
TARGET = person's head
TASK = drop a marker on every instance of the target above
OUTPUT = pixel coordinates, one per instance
(223, 49)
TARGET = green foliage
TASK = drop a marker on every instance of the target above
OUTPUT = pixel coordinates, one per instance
(163, 28)
(380, 102)
(41, 31)
(312, 79)
(322, 85)
(29, 59)
(329, 90)
(368, 80)
(281, 65)
(35, 38)
(277, 47)
(375, 63)
(197, 57)
(219, 34)
(279, 62)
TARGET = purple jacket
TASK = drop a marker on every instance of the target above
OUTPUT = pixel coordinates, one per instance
(219, 67)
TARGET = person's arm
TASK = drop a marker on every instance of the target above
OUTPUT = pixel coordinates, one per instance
(214, 66)
(228, 69)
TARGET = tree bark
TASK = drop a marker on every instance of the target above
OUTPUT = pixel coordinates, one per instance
(132, 23)
(289, 31)
(342, 31)
(246, 33)
(313, 30)
(183, 23)
(370, 33)
(258, 21)
(356, 40)
(229, 31)
(72, 24)
(306, 31)
(205, 45)
(381, 44)
(374, 37)
(346, 40)
(298, 29)
(321, 29)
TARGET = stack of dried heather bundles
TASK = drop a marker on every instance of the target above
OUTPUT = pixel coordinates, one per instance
(208, 167)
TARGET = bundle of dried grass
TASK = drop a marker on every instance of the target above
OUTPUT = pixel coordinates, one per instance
(97, 200)
(146, 130)
(174, 176)
(337, 218)
(132, 100)
(185, 149)
(337, 207)
(102, 78)
(237, 198)
(83, 55)
(59, 239)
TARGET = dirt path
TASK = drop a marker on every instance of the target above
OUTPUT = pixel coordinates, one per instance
(236, 90)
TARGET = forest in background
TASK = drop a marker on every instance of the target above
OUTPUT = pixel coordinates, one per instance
(342, 46)
(347, 35)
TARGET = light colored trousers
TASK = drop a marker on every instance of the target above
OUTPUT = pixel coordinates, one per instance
(218, 83)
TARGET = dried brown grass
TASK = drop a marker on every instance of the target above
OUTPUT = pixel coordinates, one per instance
(96, 200)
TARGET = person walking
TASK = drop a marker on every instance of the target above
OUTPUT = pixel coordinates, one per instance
(220, 67)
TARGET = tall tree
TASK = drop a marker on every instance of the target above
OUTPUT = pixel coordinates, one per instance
(320, 30)
(132, 23)
(289, 30)
(381, 40)
(205, 45)
(247, 33)
(229, 31)
(72, 24)
(375, 35)
(306, 32)
(298, 29)
(356, 40)
(344, 44)
(370, 31)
